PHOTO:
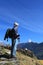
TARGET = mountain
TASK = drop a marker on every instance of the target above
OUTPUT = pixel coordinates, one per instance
(36, 48)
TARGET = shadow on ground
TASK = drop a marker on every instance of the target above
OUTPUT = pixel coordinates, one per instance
(7, 56)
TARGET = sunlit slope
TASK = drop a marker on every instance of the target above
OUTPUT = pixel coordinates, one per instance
(26, 60)
(41, 62)
(22, 59)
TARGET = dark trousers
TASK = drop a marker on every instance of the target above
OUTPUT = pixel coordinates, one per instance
(12, 46)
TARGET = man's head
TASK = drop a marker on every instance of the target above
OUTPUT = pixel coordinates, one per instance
(16, 24)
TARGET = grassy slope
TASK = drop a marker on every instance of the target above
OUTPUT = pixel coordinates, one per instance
(25, 60)
(22, 59)
(41, 62)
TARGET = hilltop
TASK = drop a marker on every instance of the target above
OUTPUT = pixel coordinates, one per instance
(22, 58)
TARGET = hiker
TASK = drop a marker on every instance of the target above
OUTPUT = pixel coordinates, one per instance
(15, 29)
(13, 35)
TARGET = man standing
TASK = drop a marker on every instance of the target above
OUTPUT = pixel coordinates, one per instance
(15, 29)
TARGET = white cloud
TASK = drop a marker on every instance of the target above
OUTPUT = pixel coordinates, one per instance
(29, 40)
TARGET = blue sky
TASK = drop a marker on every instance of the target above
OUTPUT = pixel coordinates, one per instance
(29, 15)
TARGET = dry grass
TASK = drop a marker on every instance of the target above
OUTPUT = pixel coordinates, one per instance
(25, 60)
(22, 59)
(41, 62)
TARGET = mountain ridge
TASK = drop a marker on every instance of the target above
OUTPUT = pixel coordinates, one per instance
(36, 48)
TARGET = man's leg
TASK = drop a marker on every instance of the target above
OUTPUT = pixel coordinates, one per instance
(12, 47)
